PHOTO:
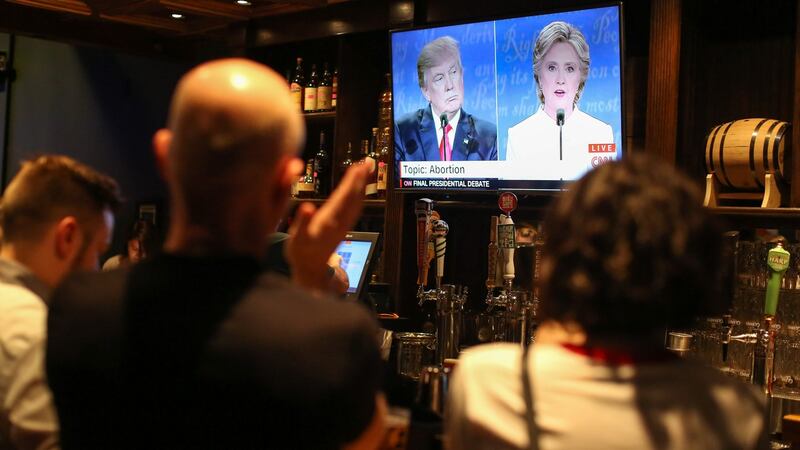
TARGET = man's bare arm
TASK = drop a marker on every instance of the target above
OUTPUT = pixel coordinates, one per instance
(316, 232)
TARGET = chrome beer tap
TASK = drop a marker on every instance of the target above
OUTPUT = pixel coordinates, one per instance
(778, 262)
(727, 329)
(763, 339)
(449, 299)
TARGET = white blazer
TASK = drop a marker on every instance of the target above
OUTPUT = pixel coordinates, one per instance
(534, 143)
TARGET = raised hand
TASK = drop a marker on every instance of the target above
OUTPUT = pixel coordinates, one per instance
(316, 233)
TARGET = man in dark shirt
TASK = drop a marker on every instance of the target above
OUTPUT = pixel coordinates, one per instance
(199, 347)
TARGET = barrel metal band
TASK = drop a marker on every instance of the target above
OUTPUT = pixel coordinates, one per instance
(767, 138)
(752, 153)
(776, 151)
(726, 181)
(710, 152)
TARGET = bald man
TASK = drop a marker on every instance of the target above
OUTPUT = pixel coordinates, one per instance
(198, 348)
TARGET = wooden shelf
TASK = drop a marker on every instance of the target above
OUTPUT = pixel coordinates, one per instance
(368, 203)
(759, 217)
(323, 115)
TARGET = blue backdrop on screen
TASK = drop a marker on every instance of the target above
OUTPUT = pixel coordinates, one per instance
(476, 42)
(516, 88)
(498, 68)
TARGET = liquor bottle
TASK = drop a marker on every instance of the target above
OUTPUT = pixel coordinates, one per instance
(348, 159)
(383, 163)
(296, 86)
(385, 104)
(374, 144)
(310, 92)
(324, 90)
(305, 187)
(334, 88)
(322, 171)
(371, 189)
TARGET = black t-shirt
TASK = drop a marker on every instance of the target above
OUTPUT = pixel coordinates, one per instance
(185, 352)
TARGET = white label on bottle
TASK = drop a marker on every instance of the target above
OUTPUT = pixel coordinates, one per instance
(382, 169)
(297, 94)
(371, 188)
(311, 99)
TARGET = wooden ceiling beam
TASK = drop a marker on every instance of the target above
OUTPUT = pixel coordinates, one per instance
(118, 7)
(314, 3)
(204, 27)
(209, 8)
(148, 21)
(278, 8)
(67, 6)
(203, 16)
(89, 31)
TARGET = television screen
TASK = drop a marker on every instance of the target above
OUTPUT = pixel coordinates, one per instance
(356, 252)
(354, 260)
(522, 103)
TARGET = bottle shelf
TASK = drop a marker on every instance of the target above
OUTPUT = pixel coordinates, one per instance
(759, 217)
(368, 203)
(322, 115)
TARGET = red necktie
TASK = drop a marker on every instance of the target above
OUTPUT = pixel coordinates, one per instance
(445, 152)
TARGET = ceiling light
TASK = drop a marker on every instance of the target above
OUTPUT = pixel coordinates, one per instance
(177, 15)
(243, 2)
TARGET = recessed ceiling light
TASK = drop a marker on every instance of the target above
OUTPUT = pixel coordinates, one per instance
(177, 15)
(243, 2)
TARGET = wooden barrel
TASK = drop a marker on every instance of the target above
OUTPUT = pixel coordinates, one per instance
(742, 152)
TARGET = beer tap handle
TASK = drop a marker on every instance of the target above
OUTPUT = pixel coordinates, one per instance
(778, 262)
(423, 208)
(764, 351)
(491, 276)
(439, 230)
(507, 244)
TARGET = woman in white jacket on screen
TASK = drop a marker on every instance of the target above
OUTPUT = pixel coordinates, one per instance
(560, 67)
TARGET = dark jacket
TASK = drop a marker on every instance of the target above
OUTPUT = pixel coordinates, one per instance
(415, 138)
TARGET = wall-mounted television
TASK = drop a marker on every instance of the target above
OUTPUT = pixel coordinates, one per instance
(525, 103)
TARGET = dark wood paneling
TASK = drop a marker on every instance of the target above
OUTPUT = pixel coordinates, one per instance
(738, 61)
(344, 18)
(662, 83)
(394, 243)
(795, 164)
(363, 65)
(69, 28)
(473, 10)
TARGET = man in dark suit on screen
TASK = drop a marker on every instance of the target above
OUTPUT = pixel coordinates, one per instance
(443, 131)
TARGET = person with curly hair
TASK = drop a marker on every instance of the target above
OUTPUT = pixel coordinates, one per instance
(629, 252)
